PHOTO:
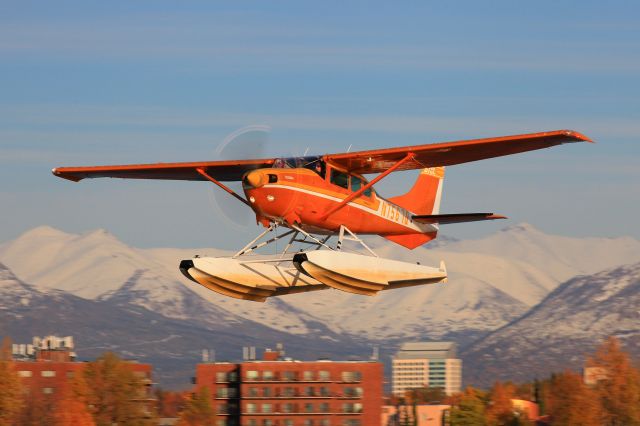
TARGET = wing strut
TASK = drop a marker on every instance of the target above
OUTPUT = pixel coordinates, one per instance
(359, 192)
(221, 185)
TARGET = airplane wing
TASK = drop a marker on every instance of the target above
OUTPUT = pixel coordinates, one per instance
(444, 219)
(450, 153)
(220, 170)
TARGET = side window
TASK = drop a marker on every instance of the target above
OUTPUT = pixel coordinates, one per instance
(339, 178)
(357, 183)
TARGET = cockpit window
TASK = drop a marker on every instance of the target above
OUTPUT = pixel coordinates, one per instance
(297, 162)
(317, 166)
(357, 183)
(339, 178)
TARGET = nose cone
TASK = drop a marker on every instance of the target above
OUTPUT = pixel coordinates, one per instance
(255, 179)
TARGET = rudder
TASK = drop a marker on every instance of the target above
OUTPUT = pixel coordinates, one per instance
(424, 197)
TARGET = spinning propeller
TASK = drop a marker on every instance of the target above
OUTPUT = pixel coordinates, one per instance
(245, 143)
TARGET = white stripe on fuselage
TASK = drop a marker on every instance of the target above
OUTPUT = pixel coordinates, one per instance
(413, 226)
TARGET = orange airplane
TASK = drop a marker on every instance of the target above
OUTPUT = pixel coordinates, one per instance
(323, 196)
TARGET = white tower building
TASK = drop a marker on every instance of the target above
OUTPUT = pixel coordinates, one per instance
(426, 364)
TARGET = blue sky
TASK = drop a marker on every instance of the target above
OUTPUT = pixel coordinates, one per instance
(86, 83)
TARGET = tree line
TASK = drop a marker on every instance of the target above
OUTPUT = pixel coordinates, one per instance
(105, 392)
(564, 399)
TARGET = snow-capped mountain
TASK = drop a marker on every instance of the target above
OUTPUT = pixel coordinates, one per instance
(173, 346)
(559, 332)
(492, 281)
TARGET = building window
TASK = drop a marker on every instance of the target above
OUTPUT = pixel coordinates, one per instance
(324, 407)
(252, 374)
(289, 375)
(307, 375)
(287, 408)
(288, 422)
(324, 375)
(71, 374)
(47, 390)
(48, 373)
(25, 373)
(266, 408)
(251, 408)
(221, 376)
(288, 391)
(308, 422)
(308, 408)
(353, 392)
(267, 422)
(324, 391)
(267, 375)
(351, 376)
(325, 422)
(266, 392)
(252, 422)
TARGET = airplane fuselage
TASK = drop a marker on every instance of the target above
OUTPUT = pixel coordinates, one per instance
(303, 196)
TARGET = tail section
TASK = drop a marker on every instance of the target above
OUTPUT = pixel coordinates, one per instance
(424, 197)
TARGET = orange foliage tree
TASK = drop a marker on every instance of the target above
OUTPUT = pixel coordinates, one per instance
(619, 389)
(10, 387)
(500, 408)
(114, 392)
(572, 403)
(71, 407)
(198, 410)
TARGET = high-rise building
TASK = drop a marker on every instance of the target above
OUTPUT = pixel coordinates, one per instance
(430, 364)
(278, 391)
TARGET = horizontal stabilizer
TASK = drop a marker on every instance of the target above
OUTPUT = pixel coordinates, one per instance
(443, 219)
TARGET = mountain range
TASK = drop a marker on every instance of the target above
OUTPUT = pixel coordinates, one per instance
(495, 283)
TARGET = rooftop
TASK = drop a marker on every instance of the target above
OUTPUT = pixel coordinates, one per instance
(420, 350)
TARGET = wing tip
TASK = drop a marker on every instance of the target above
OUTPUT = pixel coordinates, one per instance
(496, 216)
(580, 137)
(61, 174)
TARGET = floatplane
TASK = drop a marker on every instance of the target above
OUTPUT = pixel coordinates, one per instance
(317, 198)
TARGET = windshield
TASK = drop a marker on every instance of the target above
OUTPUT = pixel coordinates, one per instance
(314, 163)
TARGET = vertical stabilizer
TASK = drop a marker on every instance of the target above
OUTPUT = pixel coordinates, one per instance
(424, 197)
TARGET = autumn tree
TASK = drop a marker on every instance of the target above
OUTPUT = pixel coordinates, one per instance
(71, 406)
(425, 395)
(619, 389)
(114, 392)
(500, 408)
(10, 387)
(571, 403)
(169, 404)
(469, 410)
(198, 410)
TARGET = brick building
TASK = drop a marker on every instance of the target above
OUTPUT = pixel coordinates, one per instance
(48, 368)
(278, 391)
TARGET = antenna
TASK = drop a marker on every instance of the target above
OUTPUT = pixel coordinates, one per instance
(375, 356)
(349, 149)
